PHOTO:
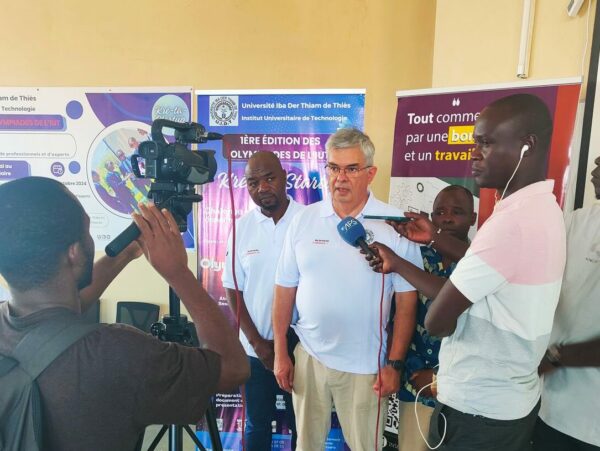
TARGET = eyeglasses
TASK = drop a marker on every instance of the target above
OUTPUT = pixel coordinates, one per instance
(350, 172)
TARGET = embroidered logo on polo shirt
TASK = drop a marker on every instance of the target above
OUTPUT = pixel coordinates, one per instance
(593, 255)
(370, 236)
(316, 241)
(252, 252)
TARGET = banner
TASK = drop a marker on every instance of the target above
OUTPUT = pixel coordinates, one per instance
(295, 125)
(433, 141)
(84, 137)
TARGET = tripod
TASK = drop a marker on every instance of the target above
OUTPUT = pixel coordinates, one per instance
(176, 328)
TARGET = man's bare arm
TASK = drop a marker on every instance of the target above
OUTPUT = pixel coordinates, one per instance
(387, 261)
(283, 307)
(163, 247)
(105, 271)
(263, 347)
(444, 311)
(421, 230)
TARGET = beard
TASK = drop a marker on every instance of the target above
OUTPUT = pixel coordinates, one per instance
(268, 203)
(87, 274)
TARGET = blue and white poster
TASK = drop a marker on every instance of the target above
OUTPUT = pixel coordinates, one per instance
(294, 124)
(84, 138)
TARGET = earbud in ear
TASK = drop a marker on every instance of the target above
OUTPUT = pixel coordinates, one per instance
(524, 149)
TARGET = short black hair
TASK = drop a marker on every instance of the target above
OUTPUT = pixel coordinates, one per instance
(532, 114)
(464, 189)
(40, 220)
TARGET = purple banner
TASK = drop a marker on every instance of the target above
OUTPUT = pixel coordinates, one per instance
(433, 141)
(433, 135)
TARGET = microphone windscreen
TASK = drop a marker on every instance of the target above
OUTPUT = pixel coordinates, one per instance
(351, 231)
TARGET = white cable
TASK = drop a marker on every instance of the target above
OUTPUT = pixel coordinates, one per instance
(511, 177)
(419, 424)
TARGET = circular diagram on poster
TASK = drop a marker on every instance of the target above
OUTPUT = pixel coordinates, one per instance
(109, 169)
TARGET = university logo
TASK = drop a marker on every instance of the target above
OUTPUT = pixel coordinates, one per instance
(223, 111)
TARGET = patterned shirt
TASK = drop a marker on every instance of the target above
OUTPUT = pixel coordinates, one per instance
(424, 348)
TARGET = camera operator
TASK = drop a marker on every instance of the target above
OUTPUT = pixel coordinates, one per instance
(102, 391)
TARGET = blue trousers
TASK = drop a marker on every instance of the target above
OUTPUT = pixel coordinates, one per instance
(261, 393)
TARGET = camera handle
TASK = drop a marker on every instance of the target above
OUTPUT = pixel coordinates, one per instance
(165, 195)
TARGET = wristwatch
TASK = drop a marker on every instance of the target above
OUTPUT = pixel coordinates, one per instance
(398, 365)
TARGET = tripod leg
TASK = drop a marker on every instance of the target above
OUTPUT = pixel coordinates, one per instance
(194, 438)
(156, 440)
(140, 442)
(175, 438)
(213, 431)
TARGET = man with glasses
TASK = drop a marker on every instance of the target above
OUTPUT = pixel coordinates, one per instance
(343, 307)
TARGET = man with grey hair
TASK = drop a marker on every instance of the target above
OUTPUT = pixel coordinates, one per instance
(343, 307)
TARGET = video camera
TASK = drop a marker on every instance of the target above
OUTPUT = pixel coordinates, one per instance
(174, 162)
(175, 171)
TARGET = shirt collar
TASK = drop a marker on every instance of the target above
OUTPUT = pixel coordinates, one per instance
(326, 208)
(260, 217)
(528, 191)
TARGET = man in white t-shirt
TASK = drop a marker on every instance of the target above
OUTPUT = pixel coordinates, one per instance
(568, 418)
(259, 238)
(342, 306)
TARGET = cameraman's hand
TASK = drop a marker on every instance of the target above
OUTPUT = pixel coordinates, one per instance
(161, 241)
(132, 251)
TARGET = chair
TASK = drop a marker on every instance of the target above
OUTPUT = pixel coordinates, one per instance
(137, 314)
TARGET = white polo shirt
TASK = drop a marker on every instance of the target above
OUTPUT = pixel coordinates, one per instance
(258, 245)
(512, 274)
(338, 293)
(570, 395)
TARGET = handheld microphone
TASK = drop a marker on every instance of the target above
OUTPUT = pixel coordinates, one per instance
(121, 241)
(353, 233)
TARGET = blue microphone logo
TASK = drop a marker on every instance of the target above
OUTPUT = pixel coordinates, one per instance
(351, 231)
